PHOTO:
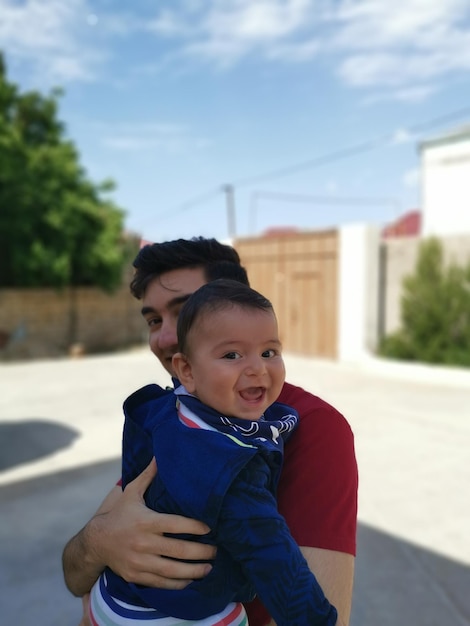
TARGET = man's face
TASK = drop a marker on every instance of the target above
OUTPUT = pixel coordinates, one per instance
(163, 300)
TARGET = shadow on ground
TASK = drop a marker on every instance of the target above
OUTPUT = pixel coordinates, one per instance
(30, 440)
(37, 519)
(396, 582)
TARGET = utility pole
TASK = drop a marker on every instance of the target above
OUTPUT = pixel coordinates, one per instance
(230, 204)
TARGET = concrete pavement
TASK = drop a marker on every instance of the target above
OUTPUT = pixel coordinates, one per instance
(60, 430)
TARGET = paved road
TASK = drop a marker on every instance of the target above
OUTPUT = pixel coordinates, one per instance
(60, 425)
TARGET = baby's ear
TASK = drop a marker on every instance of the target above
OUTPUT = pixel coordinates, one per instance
(183, 371)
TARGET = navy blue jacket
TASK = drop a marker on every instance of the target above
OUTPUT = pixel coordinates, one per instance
(228, 480)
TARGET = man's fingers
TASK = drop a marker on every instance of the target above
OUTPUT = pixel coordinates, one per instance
(179, 525)
(171, 574)
(143, 480)
(186, 550)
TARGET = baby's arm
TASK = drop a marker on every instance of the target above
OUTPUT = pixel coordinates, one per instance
(257, 536)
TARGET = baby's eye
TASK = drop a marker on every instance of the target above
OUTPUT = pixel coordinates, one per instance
(231, 355)
(268, 354)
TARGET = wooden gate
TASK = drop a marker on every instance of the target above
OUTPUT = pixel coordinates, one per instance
(299, 274)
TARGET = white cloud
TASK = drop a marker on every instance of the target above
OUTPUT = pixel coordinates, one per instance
(225, 31)
(331, 187)
(92, 19)
(294, 52)
(401, 136)
(169, 24)
(412, 178)
(149, 136)
(396, 44)
(400, 69)
(416, 93)
(366, 24)
(46, 35)
(405, 47)
(256, 20)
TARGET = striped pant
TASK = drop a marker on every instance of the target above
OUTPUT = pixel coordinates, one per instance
(104, 610)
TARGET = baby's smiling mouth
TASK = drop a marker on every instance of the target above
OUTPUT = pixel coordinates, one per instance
(252, 394)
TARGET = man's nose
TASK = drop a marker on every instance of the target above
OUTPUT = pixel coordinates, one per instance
(167, 336)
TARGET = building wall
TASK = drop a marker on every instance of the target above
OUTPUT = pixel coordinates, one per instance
(37, 323)
(445, 167)
(358, 291)
(335, 292)
(298, 272)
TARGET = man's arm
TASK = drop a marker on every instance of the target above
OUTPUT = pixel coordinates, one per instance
(130, 538)
(335, 574)
(318, 496)
(81, 569)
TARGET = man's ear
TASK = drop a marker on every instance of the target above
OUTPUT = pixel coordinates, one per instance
(183, 371)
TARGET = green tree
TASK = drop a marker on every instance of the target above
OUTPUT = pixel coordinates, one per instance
(435, 311)
(57, 228)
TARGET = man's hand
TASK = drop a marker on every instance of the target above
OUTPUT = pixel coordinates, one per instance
(139, 547)
(130, 538)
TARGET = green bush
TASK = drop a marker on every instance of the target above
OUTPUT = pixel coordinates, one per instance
(435, 311)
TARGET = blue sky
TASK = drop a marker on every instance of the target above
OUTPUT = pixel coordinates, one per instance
(311, 109)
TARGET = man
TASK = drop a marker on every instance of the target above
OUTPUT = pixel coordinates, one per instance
(317, 492)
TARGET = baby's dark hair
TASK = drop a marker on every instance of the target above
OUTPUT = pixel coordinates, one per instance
(217, 260)
(216, 295)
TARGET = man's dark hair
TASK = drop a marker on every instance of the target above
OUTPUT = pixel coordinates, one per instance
(216, 295)
(217, 260)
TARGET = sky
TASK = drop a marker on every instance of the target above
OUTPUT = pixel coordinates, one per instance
(310, 111)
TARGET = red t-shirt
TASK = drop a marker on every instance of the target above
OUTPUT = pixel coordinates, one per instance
(317, 492)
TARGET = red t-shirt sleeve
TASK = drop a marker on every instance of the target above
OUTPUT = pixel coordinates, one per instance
(317, 492)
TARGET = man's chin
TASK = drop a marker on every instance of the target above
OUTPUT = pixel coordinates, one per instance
(166, 363)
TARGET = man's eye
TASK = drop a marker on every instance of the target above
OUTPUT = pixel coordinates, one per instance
(154, 321)
(231, 355)
(176, 311)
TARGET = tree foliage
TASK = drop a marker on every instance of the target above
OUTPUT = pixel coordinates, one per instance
(57, 228)
(435, 308)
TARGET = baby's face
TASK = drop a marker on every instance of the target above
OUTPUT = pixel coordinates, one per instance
(236, 361)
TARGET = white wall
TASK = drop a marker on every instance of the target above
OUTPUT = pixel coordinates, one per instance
(446, 186)
(358, 291)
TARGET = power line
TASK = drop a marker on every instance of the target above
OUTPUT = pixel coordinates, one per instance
(310, 163)
(446, 117)
(316, 199)
(189, 204)
(337, 155)
(331, 157)
(298, 197)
